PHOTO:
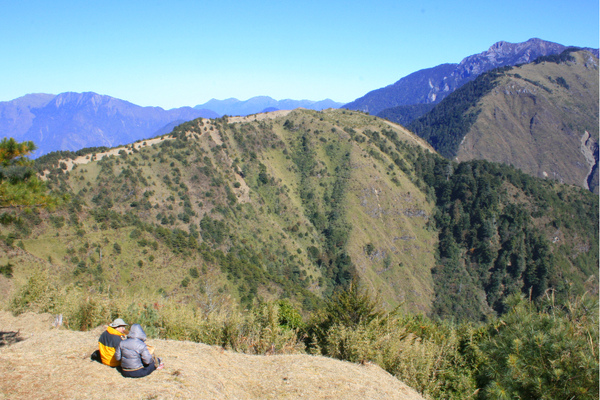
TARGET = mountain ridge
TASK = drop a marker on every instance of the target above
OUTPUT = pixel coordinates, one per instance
(71, 120)
(257, 134)
(301, 201)
(431, 85)
(522, 115)
(258, 104)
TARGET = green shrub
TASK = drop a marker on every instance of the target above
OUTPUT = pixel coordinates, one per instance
(36, 295)
(541, 350)
(88, 315)
(546, 351)
(289, 317)
(7, 270)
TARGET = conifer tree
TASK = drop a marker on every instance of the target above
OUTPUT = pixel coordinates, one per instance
(19, 185)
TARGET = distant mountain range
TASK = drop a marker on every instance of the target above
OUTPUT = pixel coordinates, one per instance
(431, 85)
(72, 121)
(260, 104)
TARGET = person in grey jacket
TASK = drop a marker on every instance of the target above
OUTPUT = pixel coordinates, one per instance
(136, 360)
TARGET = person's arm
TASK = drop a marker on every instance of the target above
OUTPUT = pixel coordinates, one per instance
(118, 352)
(146, 356)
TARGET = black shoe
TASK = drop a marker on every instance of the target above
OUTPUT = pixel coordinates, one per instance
(96, 356)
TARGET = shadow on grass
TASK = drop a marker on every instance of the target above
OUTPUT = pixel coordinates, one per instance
(8, 338)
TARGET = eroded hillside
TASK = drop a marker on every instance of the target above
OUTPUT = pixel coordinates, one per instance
(543, 119)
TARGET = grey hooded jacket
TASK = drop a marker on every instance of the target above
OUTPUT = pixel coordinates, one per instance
(133, 352)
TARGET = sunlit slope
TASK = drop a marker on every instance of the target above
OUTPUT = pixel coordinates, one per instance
(543, 119)
(285, 204)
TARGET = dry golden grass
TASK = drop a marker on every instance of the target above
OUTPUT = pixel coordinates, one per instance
(51, 363)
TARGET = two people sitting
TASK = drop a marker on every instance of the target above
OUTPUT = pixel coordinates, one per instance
(127, 350)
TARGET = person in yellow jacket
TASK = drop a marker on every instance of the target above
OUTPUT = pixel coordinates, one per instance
(109, 341)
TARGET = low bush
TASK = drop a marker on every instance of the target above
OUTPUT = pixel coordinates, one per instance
(542, 350)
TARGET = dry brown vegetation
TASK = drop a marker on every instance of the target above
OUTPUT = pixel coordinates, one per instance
(539, 123)
(44, 362)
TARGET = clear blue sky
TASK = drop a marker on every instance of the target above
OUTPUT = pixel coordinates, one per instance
(183, 53)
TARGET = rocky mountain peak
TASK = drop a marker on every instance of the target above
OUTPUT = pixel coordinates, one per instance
(505, 53)
(431, 85)
(498, 47)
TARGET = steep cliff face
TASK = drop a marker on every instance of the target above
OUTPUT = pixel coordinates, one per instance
(543, 119)
(589, 149)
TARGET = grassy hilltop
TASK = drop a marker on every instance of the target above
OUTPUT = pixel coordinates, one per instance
(282, 206)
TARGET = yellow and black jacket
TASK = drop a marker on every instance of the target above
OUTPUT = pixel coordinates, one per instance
(108, 342)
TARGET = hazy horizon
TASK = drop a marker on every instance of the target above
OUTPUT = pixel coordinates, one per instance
(185, 53)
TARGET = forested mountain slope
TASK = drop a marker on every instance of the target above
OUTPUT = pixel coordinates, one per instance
(294, 205)
(540, 117)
